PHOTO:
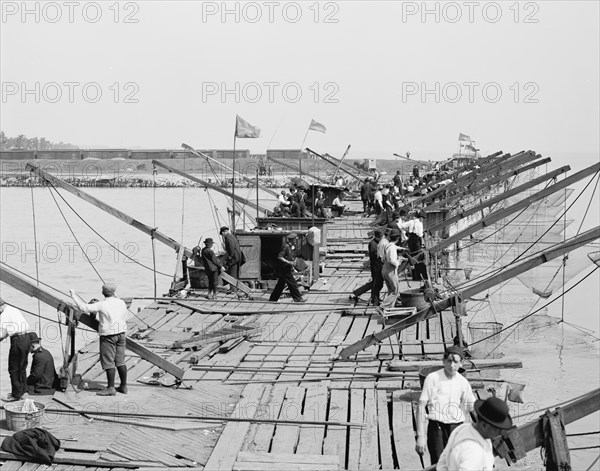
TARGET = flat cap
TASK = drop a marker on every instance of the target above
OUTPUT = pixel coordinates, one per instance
(292, 236)
(109, 288)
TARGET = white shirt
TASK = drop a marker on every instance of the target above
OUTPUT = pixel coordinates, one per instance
(283, 200)
(446, 397)
(337, 202)
(12, 322)
(383, 243)
(112, 314)
(466, 450)
(391, 254)
(418, 227)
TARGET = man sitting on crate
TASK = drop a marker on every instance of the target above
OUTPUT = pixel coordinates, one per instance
(448, 397)
(42, 379)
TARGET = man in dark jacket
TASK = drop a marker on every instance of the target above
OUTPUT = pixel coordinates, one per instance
(376, 283)
(234, 253)
(212, 267)
(42, 377)
(284, 269)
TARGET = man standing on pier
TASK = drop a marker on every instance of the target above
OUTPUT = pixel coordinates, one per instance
(284, 269)
(14, 325)
(448, 398)
(112, 315)
(234, 252)
(470, 445)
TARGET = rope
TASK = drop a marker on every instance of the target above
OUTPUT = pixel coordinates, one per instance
(593, 463)
(531, 314)
(104, 239)
(35, 245)
(154, 172)
(584, 448)
(583, 434)
(75, 237)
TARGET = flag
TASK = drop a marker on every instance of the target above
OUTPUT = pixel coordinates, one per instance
(315, 126)
(471, 148)
(463, 137)
(245, 129)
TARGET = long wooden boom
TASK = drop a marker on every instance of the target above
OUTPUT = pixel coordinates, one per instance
(427, 313)
(499, 215)
(499, 198)
(18, 282)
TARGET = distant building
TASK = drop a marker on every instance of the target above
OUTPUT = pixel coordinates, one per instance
(228, 154)
(286, 154)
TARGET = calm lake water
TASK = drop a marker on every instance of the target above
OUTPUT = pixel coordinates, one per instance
(559, 361)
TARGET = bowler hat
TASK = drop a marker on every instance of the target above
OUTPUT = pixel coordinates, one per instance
(208, 240)
(395, 232)
(223, 229)
(33, 337)
(494, 411)
(109, 288)
(292, 236)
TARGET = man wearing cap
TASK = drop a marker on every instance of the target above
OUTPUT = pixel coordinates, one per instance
(112, 316)
(389, 271)
(212, 266)
(447, 398)
(470, 445)
(234, 252)
(284, 269)
(14, 325)
(376, 265)
(42, 378)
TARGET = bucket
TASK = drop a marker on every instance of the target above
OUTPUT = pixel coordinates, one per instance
(17, 420)
(413, 298)
(430, 369)
(487, 348)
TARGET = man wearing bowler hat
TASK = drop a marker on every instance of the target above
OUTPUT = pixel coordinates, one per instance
(14, 326)
(212, 266)
(447, 398)
(284, 269)
(42, 377)
(112, 316)
(470, 445)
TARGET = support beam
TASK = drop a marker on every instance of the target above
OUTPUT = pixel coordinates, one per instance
(18, 282)
(524, 203)
(432, 311)
(497, 199)
(328, 160)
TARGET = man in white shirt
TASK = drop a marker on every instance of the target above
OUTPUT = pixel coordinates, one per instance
(470, 445)
(14, 325)
(448, 398)
(112, 314)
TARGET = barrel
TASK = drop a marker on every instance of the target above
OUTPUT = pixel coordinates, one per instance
(414, 298)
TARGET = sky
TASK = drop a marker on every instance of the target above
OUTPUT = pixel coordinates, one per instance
(385, 77)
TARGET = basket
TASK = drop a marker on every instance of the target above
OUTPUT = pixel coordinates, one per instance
(490, 331)
(17, 420)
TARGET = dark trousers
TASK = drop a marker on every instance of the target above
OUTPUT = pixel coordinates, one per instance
(213, 280)
(437, 438)
(17, 364)
(286, 277)
(234, 270)
(375, 285)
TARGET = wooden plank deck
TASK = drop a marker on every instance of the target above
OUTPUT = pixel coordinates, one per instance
(285, 370)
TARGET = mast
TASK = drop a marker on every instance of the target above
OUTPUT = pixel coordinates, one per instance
(326, 159)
